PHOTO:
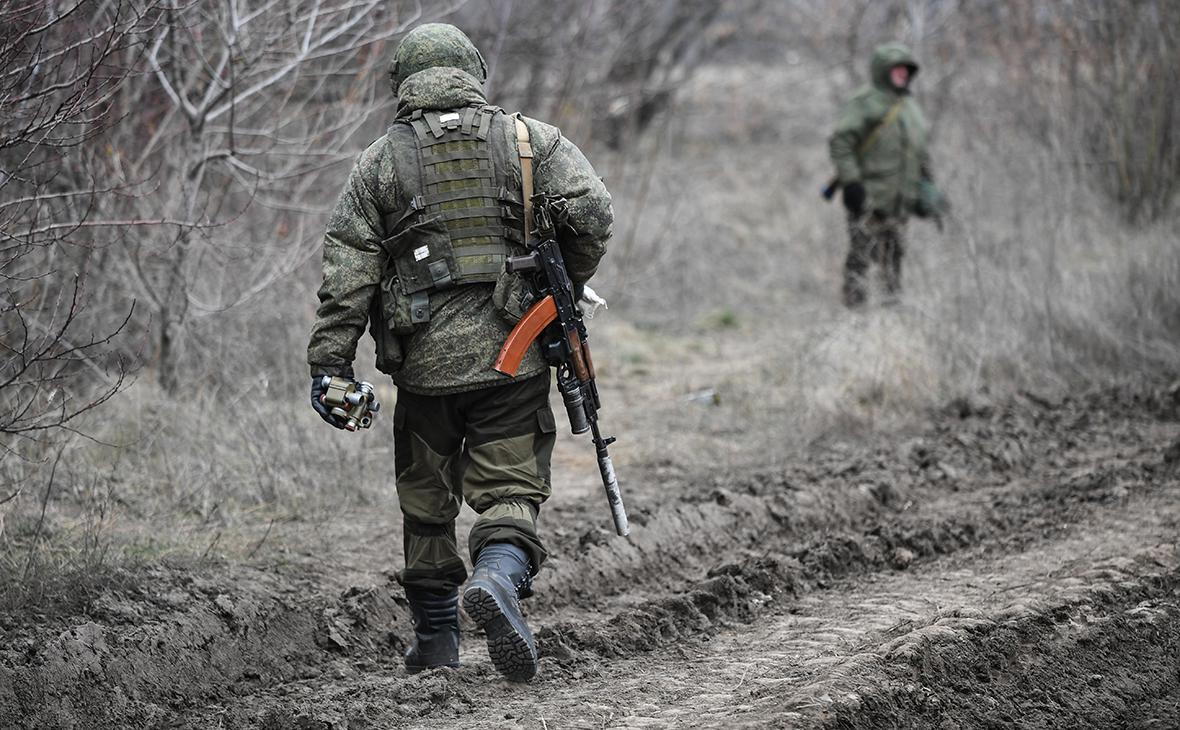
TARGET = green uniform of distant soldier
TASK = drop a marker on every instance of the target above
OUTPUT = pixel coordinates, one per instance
(883, 166)
(414, 251)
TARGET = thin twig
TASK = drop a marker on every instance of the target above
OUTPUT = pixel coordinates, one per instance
(212, 544)
(259, 543)
(740, 681)
(41, 519)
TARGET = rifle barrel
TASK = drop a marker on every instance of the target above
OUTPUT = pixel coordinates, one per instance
(610, 482)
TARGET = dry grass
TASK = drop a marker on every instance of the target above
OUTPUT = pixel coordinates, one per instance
(726, 339)
(185, 481)
(1034, 284)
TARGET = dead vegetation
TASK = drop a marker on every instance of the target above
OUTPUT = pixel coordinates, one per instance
(180, 168)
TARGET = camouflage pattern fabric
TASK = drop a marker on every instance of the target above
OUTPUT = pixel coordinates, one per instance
(461, 430)
(435, 45)
(896, 163)
(490, 447)
(455, 351)
(878, 239)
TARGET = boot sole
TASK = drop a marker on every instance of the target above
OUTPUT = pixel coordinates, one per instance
(509, 648)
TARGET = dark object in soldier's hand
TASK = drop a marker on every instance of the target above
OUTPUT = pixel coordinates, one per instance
(829, 191)
(931, 203)
(854, 198)
(317, 394)
(343, 402)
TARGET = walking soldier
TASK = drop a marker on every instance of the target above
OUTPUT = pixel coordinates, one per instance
(415, 251)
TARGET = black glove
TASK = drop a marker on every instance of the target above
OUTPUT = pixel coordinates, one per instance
(317, 391)
(854, 198)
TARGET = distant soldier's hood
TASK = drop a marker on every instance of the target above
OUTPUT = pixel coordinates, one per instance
(885, 58)
(438, 88)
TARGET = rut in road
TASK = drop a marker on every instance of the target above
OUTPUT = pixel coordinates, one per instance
(1021, 505)
(1084, 628)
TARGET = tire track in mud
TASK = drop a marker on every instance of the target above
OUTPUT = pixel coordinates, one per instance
(687, 523)
(1100, 655)
(1028, 486)
(1088, 645)
(730, 549)
(1076, 628)
(883, 539)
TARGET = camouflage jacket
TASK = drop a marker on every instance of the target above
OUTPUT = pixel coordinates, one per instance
(455, 351)
(897, 160)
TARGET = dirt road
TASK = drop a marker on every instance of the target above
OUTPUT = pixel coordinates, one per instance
(1011, 566)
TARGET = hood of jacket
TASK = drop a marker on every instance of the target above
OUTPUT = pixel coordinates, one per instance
(885, 58)
(438, 88)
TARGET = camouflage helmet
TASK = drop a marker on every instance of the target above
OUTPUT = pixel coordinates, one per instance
(433, 45)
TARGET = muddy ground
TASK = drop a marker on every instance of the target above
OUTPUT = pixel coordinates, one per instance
(1011, 565)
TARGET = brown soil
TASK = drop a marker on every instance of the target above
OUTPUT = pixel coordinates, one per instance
(1013, 566)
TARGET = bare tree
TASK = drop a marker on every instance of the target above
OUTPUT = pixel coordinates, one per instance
(1107, 93)
(240, 108)
(39, 367)
(61, 64)
(605, 69)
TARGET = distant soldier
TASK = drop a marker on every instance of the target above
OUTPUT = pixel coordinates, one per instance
(415, 250)
(883, 166)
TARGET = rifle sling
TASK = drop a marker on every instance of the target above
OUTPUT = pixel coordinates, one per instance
(888, 119)
(871, 139)
(525, 149)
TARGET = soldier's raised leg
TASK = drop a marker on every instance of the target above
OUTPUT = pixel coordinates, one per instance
(506, 477)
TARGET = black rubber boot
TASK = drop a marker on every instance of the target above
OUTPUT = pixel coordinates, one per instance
(436, 630)
(492, 600)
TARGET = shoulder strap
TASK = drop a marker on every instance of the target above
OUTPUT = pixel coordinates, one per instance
(524, 148)
(871, 139)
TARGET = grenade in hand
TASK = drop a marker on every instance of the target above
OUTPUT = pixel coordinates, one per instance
(351, 401)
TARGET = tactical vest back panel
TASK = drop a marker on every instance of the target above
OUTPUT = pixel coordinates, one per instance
(459, 212)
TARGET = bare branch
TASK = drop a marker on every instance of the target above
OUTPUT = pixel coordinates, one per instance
(153, 56)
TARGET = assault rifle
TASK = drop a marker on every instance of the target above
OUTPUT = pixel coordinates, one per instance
(557, 321)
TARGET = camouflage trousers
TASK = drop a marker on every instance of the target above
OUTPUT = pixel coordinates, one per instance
(490, 447)
(875, 238)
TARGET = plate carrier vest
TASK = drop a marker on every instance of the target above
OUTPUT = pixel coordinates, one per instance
(460, 210)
